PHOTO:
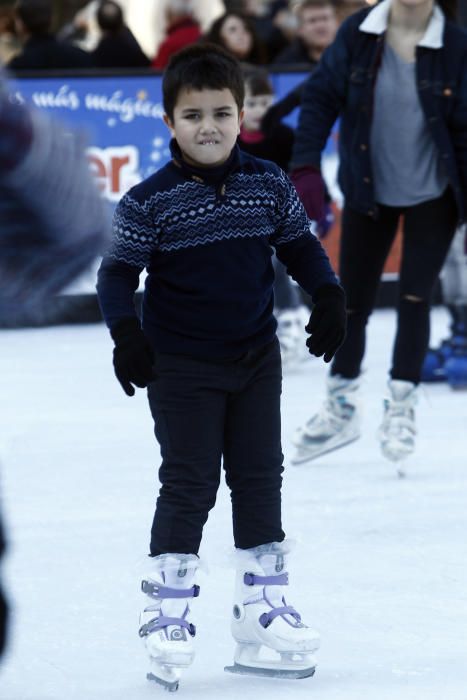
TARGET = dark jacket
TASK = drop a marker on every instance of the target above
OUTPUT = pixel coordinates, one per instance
(47, 53)
(120, 51)
(343, 85)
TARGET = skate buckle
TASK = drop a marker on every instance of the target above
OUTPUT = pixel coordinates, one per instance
(250, 579)
(154, 590)
(162, 622)
(267, 617)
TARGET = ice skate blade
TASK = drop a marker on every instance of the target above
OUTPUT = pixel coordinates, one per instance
(304, 454)
(242, 670)
(170, 686)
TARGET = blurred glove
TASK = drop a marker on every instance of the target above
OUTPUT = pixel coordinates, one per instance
(328, 322)
(310, 188)
(133, 356)
(324, 225)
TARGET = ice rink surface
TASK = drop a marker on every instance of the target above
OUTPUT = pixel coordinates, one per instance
(380, 566)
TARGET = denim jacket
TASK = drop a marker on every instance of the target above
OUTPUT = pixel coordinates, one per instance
(343, 85)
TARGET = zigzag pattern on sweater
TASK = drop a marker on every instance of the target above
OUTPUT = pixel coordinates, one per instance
(190, 214)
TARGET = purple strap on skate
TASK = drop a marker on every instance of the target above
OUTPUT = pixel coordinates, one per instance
(162, 622)
(250, 579)
(266, 618)
(154, 590)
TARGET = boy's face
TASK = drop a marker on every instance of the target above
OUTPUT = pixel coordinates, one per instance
(255, 108)
(205, 124)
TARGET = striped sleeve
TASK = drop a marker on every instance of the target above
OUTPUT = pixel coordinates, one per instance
(135, 232)
(292, 220)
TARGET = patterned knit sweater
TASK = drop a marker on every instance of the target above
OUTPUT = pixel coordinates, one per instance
(204, 237)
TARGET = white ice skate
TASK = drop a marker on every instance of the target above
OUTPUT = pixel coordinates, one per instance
(165, 626)
(335, 425)
(271, 638)
(397, 431)
(292, 337)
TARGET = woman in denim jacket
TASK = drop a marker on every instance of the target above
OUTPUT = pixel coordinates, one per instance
(397, 77)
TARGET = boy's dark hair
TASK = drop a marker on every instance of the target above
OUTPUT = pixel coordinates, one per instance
(257, 81)
(199, 67)
(36, 15)
(110, 17)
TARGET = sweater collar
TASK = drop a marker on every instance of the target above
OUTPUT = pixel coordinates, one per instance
(209, 176)
(376, 22)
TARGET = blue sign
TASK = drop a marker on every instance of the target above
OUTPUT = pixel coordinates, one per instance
(121, 118)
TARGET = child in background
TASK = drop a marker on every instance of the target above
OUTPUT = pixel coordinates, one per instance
(203, 227)
(275, 144)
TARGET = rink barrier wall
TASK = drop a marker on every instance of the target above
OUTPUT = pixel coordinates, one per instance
(120, 115)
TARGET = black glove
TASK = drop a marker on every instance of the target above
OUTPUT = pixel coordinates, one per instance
(133, 356)
(328, 321)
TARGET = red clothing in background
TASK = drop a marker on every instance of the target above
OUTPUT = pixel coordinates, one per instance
(179, 35)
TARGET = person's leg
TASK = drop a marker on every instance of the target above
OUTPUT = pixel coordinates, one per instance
(253, 465)
(187, 400)
(429, 229)
(454, 276)
(252, 449)
(365, 244)
(364, 247)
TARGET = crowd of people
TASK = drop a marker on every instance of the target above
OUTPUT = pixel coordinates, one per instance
(259, 33)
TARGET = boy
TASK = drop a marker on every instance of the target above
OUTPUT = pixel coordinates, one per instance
(203, 226)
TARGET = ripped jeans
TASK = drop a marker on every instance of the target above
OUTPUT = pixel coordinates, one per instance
(428, 230)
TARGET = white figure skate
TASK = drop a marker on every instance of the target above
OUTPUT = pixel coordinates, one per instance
(397, 431)
(165, 626)
(335, 425)
(292, 337)
(271, 638)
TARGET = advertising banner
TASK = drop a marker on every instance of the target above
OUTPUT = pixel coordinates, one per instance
(121, 120)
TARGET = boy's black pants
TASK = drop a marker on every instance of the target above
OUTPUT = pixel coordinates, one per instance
(208, 410)
(429, 228)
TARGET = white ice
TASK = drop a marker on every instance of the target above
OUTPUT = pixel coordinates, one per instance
(380, 565)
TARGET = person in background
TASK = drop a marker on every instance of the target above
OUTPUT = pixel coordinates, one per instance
(41, 50)
(402, 62)
(235, 33)
(316, 30)
(9, 43)
(448, 362)
(275, 145)
(269, 28)
(117, 47)
(182, 30)
(53, 222)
